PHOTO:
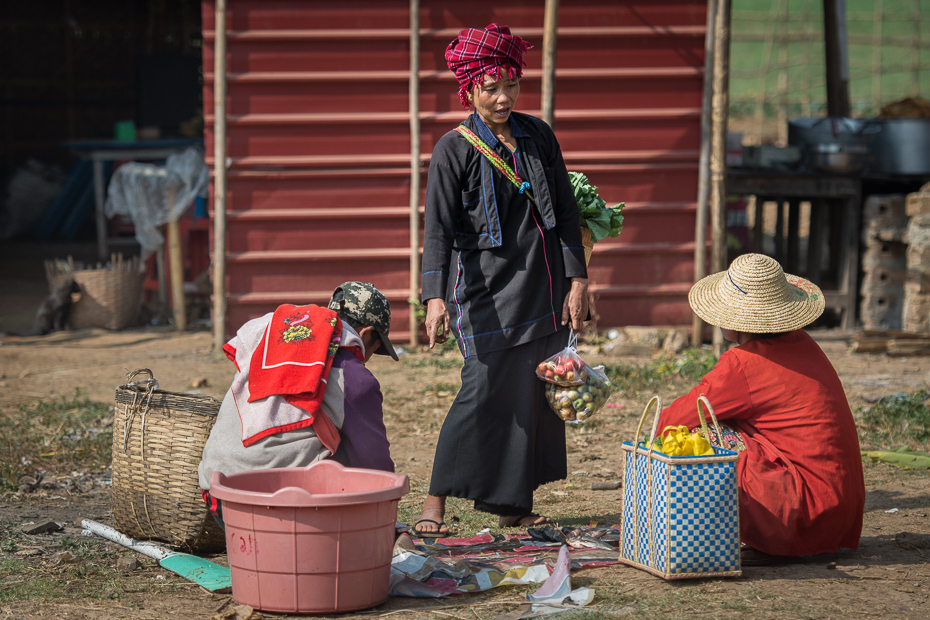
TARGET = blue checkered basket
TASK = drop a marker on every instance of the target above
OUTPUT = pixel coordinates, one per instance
(680, 513)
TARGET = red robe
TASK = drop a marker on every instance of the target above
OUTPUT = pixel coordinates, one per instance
(800, 477)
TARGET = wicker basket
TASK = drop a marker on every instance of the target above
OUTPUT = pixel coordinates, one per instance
(111, 296)
(588, 244)
(158, 440)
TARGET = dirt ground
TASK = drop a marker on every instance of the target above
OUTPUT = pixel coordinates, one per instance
(884, 577)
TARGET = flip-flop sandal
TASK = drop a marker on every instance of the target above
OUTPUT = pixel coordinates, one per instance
(531, 515)
(436, 534)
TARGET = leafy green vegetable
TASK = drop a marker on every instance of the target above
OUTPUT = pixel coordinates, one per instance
(596, 216)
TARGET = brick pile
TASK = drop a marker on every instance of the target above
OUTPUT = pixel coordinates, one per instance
(884, 262)
(915, 313)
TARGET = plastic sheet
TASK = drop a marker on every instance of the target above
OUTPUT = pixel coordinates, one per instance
(433, 569)
(141, 191)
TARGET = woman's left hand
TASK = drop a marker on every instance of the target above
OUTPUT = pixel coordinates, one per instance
(575, 307)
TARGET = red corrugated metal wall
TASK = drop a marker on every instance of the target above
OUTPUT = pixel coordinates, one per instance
(319, 140)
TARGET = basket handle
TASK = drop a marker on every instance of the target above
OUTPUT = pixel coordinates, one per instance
(655, 422)
(151, 384)
(138, 371)
(713, 417)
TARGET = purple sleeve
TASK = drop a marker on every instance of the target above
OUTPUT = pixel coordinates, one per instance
(364, 439)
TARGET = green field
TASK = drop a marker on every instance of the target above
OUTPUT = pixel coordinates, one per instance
(777, 56)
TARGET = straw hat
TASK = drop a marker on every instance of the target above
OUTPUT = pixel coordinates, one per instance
(756, 297)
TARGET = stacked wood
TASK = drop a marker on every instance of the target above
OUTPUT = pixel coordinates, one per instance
(895, 343)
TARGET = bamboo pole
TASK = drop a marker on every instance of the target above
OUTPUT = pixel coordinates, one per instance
(718, 147)
(162, 281)
(219, 178)
(550, 40)
(700, 218)
(176, 267)
(415, 174)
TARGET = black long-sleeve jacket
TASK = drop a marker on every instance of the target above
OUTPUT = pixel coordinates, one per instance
(502, 265)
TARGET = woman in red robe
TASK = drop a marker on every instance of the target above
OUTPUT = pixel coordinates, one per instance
(784, 409)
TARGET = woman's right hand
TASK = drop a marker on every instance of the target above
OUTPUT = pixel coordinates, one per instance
(437, 316)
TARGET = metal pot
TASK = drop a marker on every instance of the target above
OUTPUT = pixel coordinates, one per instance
(806, 132)
(839, 158)
(902, 147)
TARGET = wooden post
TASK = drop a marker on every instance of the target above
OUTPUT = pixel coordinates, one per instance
(782, 114)
(718, 147)
(915, 50)
(550, 40)
(415, 174)
(100, 196)
(877, 19)
(700, 218)
(837, 58)
(162, 282)
(219, 178)
(758, 122)
(176, 267)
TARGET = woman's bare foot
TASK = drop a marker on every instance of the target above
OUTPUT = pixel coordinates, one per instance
(524, 520)
(431, 519)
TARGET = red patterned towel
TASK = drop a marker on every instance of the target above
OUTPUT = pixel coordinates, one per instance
(292, 361)
(295, 353)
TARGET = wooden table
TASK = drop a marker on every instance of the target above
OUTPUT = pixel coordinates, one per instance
(99, 151)
(836, 203)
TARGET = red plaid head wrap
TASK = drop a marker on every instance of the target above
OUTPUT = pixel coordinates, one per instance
(477, 52)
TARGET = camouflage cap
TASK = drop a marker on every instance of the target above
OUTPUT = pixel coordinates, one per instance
(367, 305)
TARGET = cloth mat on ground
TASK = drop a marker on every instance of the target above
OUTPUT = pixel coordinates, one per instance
(439, 567)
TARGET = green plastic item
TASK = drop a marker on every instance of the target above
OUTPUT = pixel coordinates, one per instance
(205, 573)
(124, 131)
(902, 457)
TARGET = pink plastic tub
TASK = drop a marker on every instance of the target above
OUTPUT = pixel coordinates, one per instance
(317, 539)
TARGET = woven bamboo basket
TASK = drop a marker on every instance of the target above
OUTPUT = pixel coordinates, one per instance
(158, 440)
(111, 295)
(588, 244)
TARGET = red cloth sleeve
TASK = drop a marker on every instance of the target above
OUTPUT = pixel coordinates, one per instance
(725, 387)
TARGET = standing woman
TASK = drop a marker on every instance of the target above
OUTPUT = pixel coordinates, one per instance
(504, 268)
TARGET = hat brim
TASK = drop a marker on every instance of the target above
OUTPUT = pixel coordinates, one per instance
(711, 299)
(386, 347)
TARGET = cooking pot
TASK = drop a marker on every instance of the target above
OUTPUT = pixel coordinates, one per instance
(839, 158)
(834, 144)
(902, 147)
(804, 132)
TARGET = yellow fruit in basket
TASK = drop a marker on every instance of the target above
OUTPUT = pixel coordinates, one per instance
(679, 441)
(700, 446)
(567, 413)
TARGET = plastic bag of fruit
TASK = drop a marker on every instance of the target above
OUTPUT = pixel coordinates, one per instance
(576, 403)
(565, 367)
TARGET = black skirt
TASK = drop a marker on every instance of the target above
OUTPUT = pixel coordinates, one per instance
(500, 440)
